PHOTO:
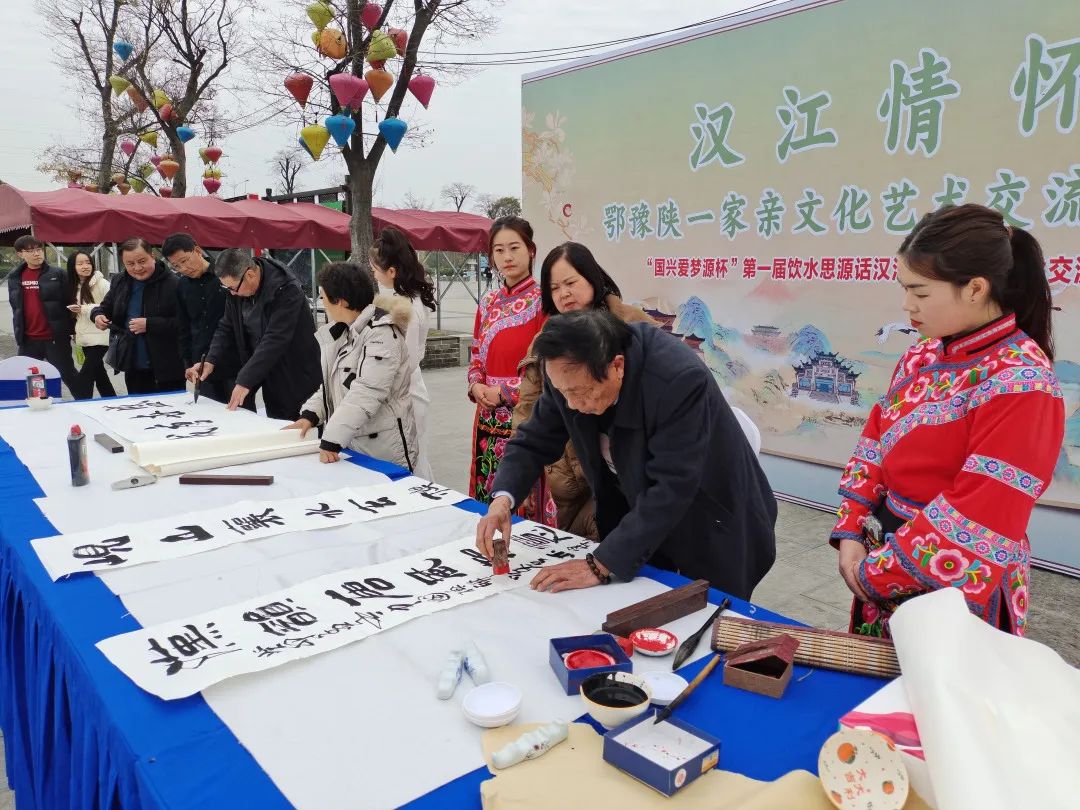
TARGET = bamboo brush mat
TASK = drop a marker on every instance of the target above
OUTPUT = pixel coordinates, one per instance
(825, 649)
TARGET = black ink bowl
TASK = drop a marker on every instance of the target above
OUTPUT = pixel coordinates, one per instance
(614, 698)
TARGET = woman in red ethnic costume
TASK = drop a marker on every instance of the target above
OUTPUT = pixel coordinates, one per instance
(506, 321)
(953, 457)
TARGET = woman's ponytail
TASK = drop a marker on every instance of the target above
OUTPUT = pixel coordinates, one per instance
(1028, 292)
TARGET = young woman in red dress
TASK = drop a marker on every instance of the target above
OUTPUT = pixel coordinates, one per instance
(507, 320)
(940, 488)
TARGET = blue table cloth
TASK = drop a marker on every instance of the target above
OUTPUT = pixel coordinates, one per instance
(78, 733)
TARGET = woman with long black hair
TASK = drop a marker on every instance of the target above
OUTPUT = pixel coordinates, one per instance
(87, 288)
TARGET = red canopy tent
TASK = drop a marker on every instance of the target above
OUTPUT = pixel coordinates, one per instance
(73, 216)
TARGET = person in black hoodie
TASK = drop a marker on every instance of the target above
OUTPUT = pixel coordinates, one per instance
(268, 328)
(201, 304)
(140, 308)
(42, 324)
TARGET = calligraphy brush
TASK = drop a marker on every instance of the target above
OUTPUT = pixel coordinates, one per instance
(686, 649)
(198, 377)
(665, 712)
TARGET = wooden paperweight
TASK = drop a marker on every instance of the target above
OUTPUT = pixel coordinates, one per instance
(659, 610)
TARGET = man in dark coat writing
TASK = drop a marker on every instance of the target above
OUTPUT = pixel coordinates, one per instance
(676, 483)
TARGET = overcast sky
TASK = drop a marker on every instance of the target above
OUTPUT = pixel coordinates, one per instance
(475, 125)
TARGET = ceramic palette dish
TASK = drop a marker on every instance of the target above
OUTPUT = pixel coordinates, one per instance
(614, 698)
(861, 770)
(492, 704)
(653, 641)
(587, 659)
(665, 686)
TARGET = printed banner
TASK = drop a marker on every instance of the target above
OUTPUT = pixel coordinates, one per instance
(176, 659)
(122, 546)
(172, 416)
(757, 208)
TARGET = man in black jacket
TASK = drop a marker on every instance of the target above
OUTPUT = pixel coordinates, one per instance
(140, 308)
(269, 330)
(38, 295)
(676, 483)
(201, 304)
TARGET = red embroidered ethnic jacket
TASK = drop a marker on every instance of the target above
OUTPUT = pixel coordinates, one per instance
(961, 447)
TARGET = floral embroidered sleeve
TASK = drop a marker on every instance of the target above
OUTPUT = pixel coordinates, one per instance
(476, 369)
(971, 536)
(510, 392)
(861, 484)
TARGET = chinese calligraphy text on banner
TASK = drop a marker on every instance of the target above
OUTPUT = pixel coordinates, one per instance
(750, 186)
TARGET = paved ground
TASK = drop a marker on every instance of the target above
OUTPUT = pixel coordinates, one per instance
(803, 583)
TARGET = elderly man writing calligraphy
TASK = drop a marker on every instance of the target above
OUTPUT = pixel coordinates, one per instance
(676, 483)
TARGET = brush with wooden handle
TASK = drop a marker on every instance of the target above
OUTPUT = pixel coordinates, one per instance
(665, 712)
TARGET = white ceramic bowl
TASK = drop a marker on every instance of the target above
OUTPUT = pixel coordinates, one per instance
(38, 404)
(491, 705)
(607, 714)
(665, 686)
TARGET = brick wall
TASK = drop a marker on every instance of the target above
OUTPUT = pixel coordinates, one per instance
(445, 351)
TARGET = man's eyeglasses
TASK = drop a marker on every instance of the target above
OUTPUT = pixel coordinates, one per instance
(239, 284)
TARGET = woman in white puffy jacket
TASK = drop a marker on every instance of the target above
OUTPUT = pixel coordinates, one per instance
(363, 403)
(87, 289)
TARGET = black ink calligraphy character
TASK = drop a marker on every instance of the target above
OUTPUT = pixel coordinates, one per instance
(402, 606)
(431, 491)
(325, 511)
(279, 618)
(559, 554)
(193, 434)
(137, 406)
(178, 425)
(244, 524)
(373, 506)
(159, 415)
(370, 588)
(437, 596)
(196, 533)
(189, 650)
(541, 537)
(374, 618)
(435, 573)
(105, 553)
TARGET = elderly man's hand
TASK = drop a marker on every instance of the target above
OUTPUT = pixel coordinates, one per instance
(496, 520)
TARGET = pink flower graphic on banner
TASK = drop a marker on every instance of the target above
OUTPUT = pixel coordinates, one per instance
(948, 565)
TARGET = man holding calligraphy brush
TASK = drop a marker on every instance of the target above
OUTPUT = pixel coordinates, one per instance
(676, 483)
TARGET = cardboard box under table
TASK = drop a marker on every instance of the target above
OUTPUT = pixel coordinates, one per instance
(666, 756)
(571, 678)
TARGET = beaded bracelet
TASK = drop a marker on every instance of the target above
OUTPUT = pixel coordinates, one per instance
(604, 578)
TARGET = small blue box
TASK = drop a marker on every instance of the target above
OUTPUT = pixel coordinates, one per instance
(571, 678)
(663, 759)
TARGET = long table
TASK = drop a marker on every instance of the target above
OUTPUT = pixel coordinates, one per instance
(78, 733)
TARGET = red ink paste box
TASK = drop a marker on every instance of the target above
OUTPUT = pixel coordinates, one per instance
(571, 678)
(667, 756)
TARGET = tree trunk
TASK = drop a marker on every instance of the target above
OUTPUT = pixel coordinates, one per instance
(361, 178)
(108, 144)
(179, 153)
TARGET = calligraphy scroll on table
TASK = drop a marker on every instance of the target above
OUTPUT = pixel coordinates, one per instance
(121, 545)
(179, 658)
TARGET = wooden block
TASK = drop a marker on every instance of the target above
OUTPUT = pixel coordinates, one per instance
(108, 442)
(235, 480)
(762, 666)
(658, 610)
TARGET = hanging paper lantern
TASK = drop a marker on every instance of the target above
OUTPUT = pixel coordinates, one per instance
(299, 87)
(128, 147)
(304, 146)
(168, 168)
(185, 134)
(370, 15)
(213, 153)
(167, 113)
(137, 185)
(150, 138)
(315, 38)
(422, 87)
(316, 137)
(156, 160)
(320, 15)
(138, 98)
(123, 187)
(119, 84)
(160, 99)
(213, 172)
(340, 128)
(211, 185)
(349, 90)
(165, 191)
(393, 130)
(332, 43)
(146, 169)
(202, 155)
(118, 178)
(91, 187)
(74, 175)
(379, 81)
(381, 47)
(123, 49)
(400, 39)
